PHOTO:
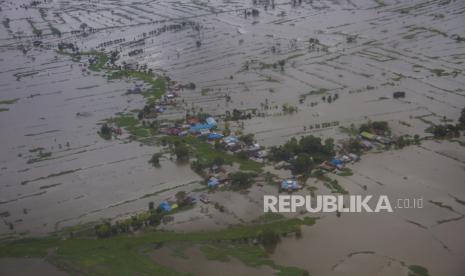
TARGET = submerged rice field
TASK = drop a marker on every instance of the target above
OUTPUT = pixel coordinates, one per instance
(297, 68)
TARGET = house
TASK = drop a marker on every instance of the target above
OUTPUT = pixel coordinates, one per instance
(368, 136)
(213, 182)
(204, 198)
(211, 121)
(165, 206)
(338, 163)
(366, 144)
(290, 185)
(233, 147)
(230, 140)
(199, 127)
(171, 95)
(383, 140)
(253, 148)
(214, 136)
(346, 158)
(354, 157)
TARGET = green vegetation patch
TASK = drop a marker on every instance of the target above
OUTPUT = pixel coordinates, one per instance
(207, 153)
(128, 255)
(416, 270)
(9, 101)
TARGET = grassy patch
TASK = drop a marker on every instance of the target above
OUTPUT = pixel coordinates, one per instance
(158, 85)
(9, 101)
(346, 172)
(416, 270)
(127, 255)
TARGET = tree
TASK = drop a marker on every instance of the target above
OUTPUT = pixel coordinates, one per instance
(154, 218)
(382, 126)
(241, 180)
(248, 139)
(281, 64)
(103, 230)
(218, 161)
(302, 163)
(181, 151)
(105, 132)
(136, 223)
(181, 197)
(155, 160)
(461, 124)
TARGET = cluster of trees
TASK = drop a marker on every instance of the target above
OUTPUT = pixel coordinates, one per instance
(404, 141)
(304, 153)
(247, 139)
(237, 115)
(106, 229)
(135, 52)
(449, 130)
(181, 150)
(63, 45)
(445, 131)
(289, 109)
(242, 180)
(200, 165)
(329, 99)
(379, 127)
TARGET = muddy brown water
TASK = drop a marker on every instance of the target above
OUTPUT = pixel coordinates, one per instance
(400, 46)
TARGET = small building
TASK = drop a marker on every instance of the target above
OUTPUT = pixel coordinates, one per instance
(230, 140)
(214, 136)
(213, 182)
(165, 206)
(204, 198)
(338, 163)
(290, 185)
(211, 121)
(233, 147)
(368, 136)
(366, 144)
(383, 140)
(354, 157)
(253, 148)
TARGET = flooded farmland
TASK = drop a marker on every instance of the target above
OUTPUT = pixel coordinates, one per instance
(110, 109)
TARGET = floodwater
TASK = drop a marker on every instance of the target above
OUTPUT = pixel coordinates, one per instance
(399, 46)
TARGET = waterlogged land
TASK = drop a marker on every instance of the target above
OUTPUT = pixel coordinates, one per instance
(298, 68)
